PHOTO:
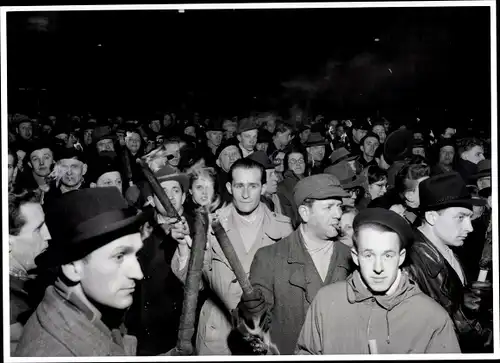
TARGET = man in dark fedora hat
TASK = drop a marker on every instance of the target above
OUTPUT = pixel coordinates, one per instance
(95, 238)
(341, 154)
(316, 148)
(446, 208)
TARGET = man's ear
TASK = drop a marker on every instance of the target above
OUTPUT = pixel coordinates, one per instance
(93, 185)
(73, 271)
(402, 256)
(431, 217)
(183, 198)
(264, 189)
(304, 212)
(354, 255)
(362, 148)
(229, 188)
(238, 137)
(29, 163)
(84, 169)
(206, 134)
(217, 162)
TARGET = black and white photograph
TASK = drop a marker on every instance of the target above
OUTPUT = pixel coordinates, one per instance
(250, 179)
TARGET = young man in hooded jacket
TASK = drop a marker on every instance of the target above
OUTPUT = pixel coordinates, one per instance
(378, 309)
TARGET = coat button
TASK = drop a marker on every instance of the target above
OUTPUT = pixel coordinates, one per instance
(373, 299)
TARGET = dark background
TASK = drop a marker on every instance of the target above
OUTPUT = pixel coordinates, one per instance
(227, 61)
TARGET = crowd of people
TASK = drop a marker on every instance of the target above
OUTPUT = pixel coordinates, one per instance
(358, 236)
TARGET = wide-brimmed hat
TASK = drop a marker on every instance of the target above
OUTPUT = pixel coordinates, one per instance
(444, 191)
(166, 173)
(102, 133)
(261, 158)
(398, 146)
(84, 220)
(347, 176)
(341, 154)
(315, 139)
(483, 169)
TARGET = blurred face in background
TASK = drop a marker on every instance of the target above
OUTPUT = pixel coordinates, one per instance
(228, 156)
(449, 132)
(369, 146)
(155, 125)
(133, 142)
(229, 127)
(411, 195)
(420, 150)
(63, 137)
(214, 137)
(190, 131)
(346, 230)
(110, 179)
(41, 161)
(296, 163)
(87, 136)
(105, 145)
(317, 152)
(380, 131)
(304, 135)
(446, 155)
(25, 130)
(378, 189)
(248, 139)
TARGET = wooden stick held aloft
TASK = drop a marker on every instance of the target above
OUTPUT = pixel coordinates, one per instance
(232, 257)
(158, 190)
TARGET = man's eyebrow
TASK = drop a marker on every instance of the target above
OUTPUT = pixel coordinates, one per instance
(123, 249)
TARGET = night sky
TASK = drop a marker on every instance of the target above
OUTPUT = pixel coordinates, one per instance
(218, 61)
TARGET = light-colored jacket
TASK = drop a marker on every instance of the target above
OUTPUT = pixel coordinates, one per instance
(215, 323)
(345, 316)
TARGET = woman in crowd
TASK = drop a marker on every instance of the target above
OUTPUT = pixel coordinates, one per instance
(377, 185)
(346, 230)
(295, 163)
(203, 187)
(278, 158)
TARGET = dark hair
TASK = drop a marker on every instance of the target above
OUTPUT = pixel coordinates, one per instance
(282, 127)
(369, 134)
(375, 174)
(379, 152)
(299, 150)
(16, 219)
(246, 163)
(378, 227)
(468, 143)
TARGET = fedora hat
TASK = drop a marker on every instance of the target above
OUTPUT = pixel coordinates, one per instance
(341, 154)
(315, 139)
(398, 146)
(261, 158)
(347, 176)
(444, 191)
(84, 220)
(483, 169)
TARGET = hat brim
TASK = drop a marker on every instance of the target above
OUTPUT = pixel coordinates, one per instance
(481, 174)
(330, 193)
(359, 181)
(183, 180)
(319, 143)
(465, 203)
(94, 239)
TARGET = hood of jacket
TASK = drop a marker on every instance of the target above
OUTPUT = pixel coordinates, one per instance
(358, 292)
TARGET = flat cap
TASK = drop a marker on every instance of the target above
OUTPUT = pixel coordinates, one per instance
(246, 124)
(319, 186)
(386, 218)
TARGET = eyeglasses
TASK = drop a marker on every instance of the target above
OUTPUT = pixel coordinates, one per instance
(298, 161)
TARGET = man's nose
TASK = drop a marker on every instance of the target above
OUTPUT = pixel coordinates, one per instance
(378, 266)
(135, 270)
(245, 193)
